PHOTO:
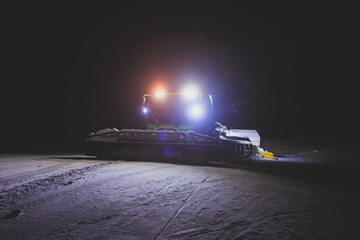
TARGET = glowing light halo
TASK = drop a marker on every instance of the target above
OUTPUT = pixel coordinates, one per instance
(145, 110)
(159, 93)
(190, 92)
(196, 112)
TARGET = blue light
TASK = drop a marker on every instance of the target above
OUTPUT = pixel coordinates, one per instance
(145, 110)
(196, 112)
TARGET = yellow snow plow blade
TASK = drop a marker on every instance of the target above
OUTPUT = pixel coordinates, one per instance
(268, 155)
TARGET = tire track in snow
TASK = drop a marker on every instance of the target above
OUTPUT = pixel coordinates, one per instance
(95, 220)
(24, 191)
(27, 193)
(9, 181)
(172, 184)
(77, 224)
(229, 226)
(181, 207)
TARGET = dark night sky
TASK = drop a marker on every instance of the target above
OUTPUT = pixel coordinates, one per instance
(75, 68)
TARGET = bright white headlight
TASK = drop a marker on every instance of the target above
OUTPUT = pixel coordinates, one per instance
(190, 92)
(196, 112)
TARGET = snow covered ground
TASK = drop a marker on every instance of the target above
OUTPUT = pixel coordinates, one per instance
(77, 197)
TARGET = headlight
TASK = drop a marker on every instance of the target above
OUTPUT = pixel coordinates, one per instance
(160, 94)
(145, 110)
(190, 92)
(196, 112)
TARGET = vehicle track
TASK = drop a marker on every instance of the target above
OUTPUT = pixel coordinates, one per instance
(145, 200)
(181, 207)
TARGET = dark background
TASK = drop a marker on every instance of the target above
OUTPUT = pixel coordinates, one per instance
(287, 70)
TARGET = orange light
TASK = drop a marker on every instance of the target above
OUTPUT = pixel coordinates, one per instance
(159, 85)
(160, 93)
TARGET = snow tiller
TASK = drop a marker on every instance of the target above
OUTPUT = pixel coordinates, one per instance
(177, 126)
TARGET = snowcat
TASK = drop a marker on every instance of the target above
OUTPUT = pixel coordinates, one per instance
(177, 125)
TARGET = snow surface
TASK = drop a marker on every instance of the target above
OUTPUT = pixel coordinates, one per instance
(77, 197)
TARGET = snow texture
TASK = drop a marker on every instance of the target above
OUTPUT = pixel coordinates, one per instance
(75, 197)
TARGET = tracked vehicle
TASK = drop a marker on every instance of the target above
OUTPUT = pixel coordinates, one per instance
(177, 126)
